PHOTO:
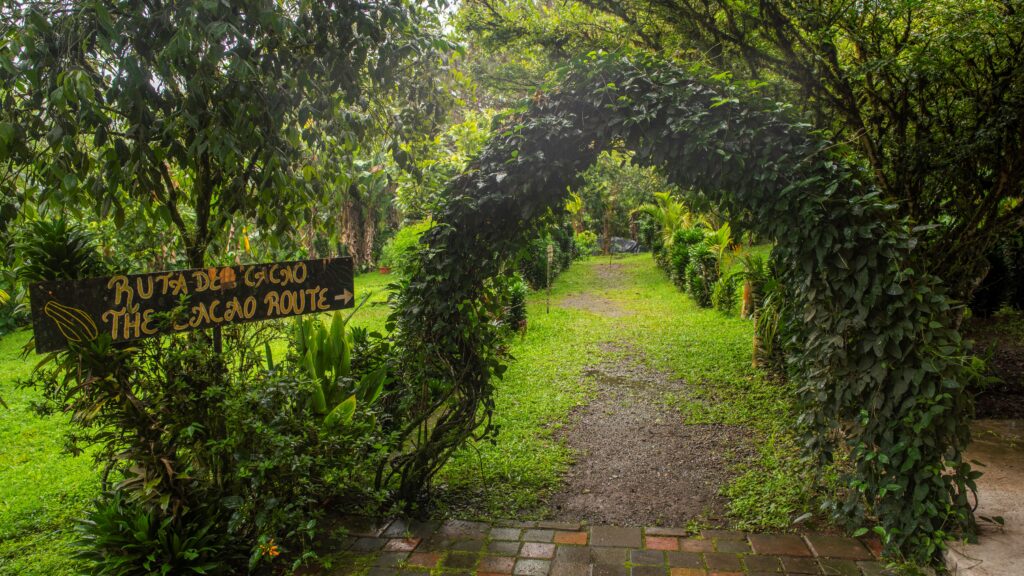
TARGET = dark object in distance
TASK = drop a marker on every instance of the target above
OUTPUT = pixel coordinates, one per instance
(624, 246)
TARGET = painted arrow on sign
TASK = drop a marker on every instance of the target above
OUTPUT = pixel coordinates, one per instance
(345, 296)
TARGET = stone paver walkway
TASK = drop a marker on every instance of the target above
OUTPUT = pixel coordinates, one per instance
(459, 548)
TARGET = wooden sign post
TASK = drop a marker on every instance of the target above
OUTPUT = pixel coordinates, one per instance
(551, 259)
(129, 307)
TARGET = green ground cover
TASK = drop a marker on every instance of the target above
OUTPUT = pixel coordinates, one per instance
(42, 490)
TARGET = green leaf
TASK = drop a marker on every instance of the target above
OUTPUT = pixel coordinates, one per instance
(341, 414)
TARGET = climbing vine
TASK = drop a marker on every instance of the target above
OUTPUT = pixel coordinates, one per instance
(880, 366)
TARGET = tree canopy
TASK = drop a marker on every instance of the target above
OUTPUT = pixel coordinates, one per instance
(199, 111)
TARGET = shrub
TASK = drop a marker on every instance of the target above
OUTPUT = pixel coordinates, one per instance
(701, 274)
(123, 537)
(399, 253)
(679, 253)
(565, 242)
(586, 243)
(724, 294)
(533, 262)
(516, 291)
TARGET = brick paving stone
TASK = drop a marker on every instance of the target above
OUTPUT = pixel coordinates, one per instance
(609, 556)
(571, 526)
(647, 557)
(537, 550)
(801, 565)
(570, 569)
(696, 545)
(838, 567)
(401, 544)
(732, 546)
(497, 564)
(416, 573)
(504, 548)
(463, 530)
(392, 559)
(762, 563)
(615, 536)
(411, 529)
(538, 535)
(648, 571)
(662, 531)
(722, 562)
(723, 535)
(873, 568)
(688, 572)
(572, 555)
(435, 543)
(468, 545)
(506, 533)
(368, 544)
(685, 560)
(424, 559)
(514, 524)
(609, 570)
(576, 538)
(827, 546)
(382, 571)
(530, 567)
(456, 560)
(661, 543)
(478, 573)
(727, 573)
(779, 544)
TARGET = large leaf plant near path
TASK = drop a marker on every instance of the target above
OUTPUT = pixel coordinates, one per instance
(880, 367)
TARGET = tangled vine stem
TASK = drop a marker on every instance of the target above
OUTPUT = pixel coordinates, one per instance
(880, 367)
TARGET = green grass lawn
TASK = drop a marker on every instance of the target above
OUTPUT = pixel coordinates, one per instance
(42, 489)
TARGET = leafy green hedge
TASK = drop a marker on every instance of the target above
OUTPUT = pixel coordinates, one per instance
(880, 366)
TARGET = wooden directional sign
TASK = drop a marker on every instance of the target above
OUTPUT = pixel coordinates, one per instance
(128, 307)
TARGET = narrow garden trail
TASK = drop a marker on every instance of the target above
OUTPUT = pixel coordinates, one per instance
(636, 463)
(627, 404)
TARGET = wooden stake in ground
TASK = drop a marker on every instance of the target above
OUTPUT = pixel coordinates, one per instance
(551, 258)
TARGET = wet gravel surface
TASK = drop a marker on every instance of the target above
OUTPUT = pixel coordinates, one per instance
(637, 463)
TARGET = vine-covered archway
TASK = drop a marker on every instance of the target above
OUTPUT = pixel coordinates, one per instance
(879, 364)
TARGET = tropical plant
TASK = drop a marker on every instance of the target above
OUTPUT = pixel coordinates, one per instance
(123, 537)
(326, 354)
(57, 250)
(723, 294)
(586, 243)
(702, 273)
(679, 253)
(719, 240)
(575, 207)
(670, 214)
